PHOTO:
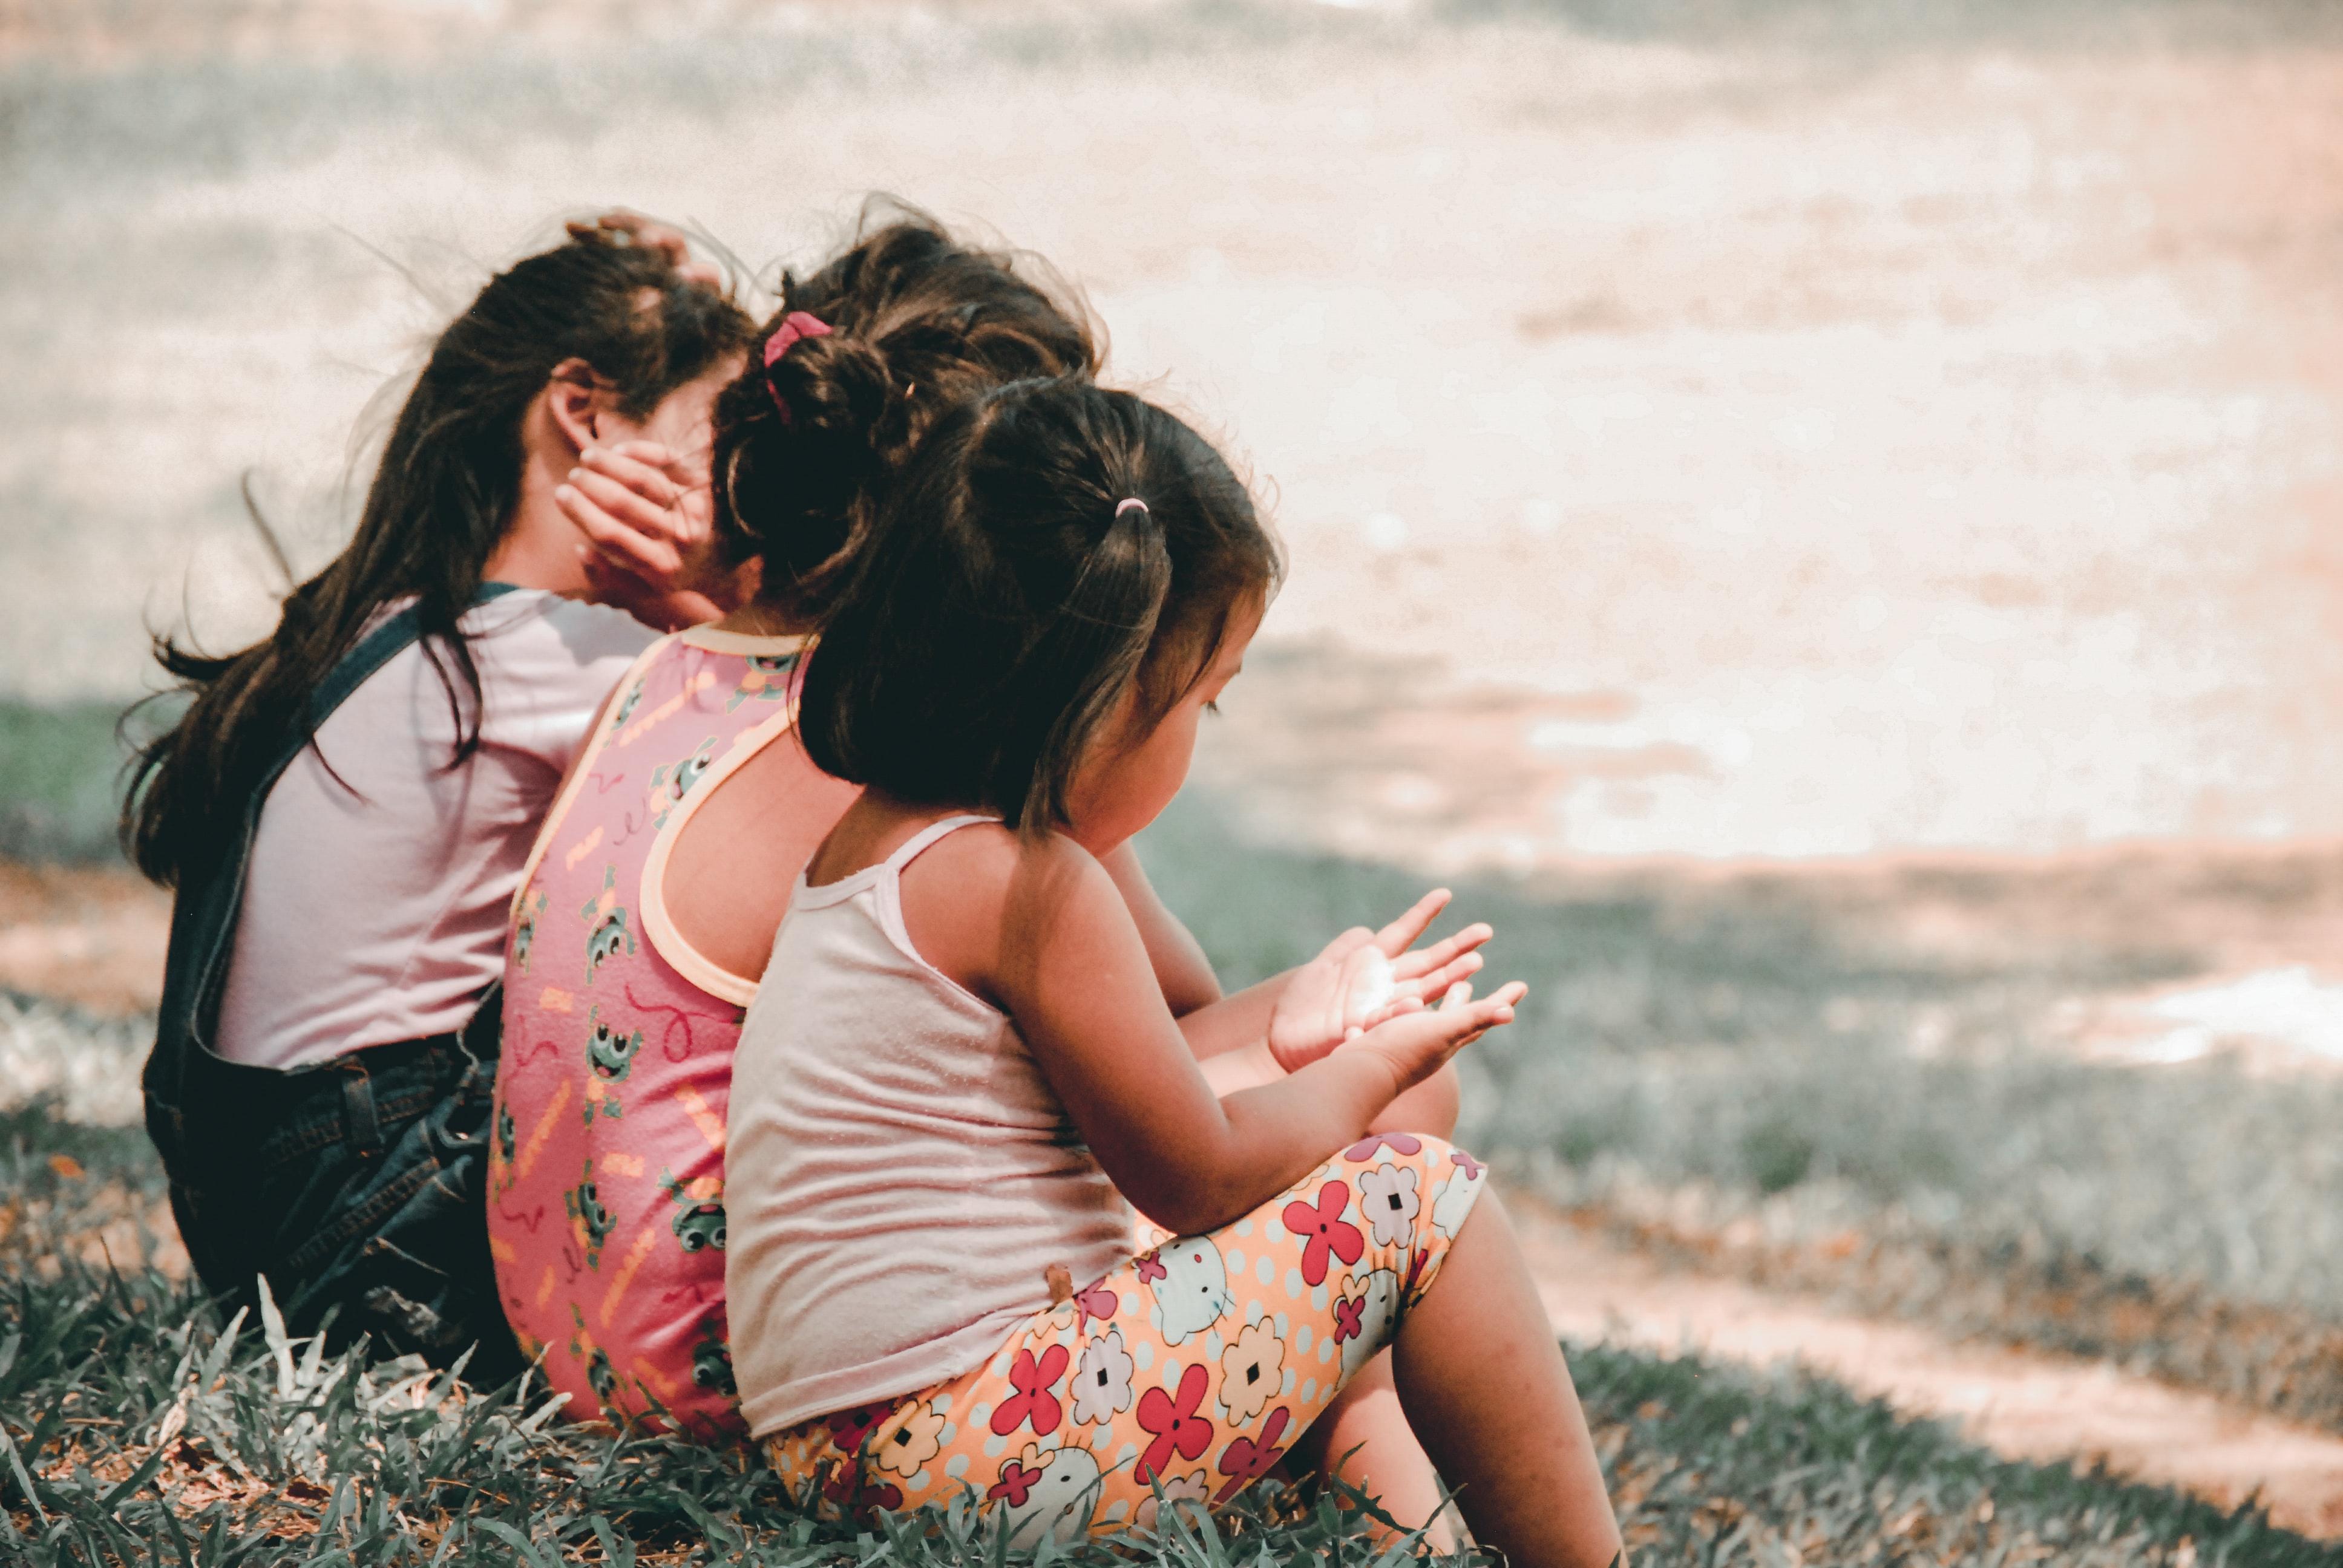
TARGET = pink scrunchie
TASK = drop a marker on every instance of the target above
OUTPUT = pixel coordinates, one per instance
(795, 326)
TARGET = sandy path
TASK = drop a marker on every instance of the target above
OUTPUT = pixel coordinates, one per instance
(92, 937)
(2023, 1404)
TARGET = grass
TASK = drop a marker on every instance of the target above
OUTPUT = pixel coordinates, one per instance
(1739, 1057)
(1659, 1014)
(136, 1428)
(60, 767)
(1720, 1464)
(1760, 1079)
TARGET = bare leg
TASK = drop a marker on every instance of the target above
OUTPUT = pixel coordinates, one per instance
(1486, 1390)
(1389, 1465)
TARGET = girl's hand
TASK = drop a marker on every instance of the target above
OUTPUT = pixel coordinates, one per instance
(650, 541)
(634, 228)
(1365, 977)
(1419, 1043)
(606, 585)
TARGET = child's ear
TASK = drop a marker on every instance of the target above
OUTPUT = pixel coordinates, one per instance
(573, 401)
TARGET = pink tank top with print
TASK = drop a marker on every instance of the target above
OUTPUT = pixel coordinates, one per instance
(606, 1196)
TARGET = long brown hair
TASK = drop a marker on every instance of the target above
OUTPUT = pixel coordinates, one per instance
(440, 502)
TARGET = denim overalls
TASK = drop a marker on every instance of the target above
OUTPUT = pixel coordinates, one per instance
(359, 1185)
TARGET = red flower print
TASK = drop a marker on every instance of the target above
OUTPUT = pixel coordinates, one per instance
(1100, 1302)
(1016, 1481)
(1467, 1164)
(1327, 1231)
(1175, 1423)
(1415, 1273)
(1347, 1311)
(1150, 1266)
(1032, 1400)
(1397, 1142)
(847, 1488)
(1243, 1462)
(847, 1428)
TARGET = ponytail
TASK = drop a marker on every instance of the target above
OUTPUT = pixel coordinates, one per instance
(1102, 632)
(1055, 557)
(861, 358)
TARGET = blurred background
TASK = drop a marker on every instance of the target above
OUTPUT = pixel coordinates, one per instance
(1821, 518)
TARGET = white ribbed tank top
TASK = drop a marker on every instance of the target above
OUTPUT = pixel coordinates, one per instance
(899, 1177)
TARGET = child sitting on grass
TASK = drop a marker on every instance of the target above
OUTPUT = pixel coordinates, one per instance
(957, 1068)
(343, 807)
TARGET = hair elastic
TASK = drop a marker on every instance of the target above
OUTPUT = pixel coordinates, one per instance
(1128, 503)
(795, 327)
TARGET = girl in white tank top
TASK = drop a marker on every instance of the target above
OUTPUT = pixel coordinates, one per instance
(958, 1067)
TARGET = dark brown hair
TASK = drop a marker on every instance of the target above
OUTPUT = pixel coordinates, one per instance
(440, 502)
(1009, 598)
(918, 322)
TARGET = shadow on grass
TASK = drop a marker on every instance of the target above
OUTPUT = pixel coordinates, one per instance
(1797, 1055)
(133, 1429)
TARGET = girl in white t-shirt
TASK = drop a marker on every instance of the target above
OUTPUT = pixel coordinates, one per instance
(959, 1067)
(344, 807)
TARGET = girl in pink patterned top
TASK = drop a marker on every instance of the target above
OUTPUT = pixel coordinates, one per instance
(605, 1211)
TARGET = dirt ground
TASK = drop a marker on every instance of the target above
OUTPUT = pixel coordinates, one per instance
(91, 937)
(2022, 1405)
(95, 939)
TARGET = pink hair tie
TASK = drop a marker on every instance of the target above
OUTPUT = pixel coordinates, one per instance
(795, 326)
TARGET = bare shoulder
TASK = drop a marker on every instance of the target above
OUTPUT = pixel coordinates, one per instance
(990, 865)
(970, 861)
(985, 898)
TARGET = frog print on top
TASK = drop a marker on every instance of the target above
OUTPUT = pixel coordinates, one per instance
(699, 1220)
(609, 1056)
(605, 1205)
(608, 918)
(627, 704)
(524, 933)
(590, 1221)
(766, 680)
(672, 781)
(711, 1362)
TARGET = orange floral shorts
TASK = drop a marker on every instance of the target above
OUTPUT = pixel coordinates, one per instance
(1184, 1375)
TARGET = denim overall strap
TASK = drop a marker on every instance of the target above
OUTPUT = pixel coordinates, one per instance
(204, 914)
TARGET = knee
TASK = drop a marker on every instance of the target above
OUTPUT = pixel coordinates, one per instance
(1428, 1176)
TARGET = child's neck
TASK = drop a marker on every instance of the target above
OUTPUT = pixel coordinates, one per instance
(873, 828)
(763, 618)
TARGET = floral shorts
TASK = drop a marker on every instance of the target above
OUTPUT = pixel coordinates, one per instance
(1192, 1368)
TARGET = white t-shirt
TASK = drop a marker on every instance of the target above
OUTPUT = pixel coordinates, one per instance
(373, 906)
